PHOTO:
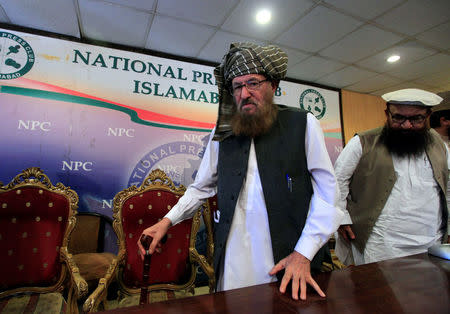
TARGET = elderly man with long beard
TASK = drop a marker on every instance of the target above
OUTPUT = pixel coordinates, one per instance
(273, 177)
(392, 183)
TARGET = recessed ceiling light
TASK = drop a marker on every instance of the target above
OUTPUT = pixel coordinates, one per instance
(263, 16)
(393, 58)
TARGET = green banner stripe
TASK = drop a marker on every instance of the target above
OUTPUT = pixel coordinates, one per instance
(333, 134)
(90, 102)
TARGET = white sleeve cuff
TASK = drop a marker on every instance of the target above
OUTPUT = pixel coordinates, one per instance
(308, 246)
(323, 221)
(346, 220)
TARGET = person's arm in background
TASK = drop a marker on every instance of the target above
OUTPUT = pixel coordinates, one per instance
(448, 195)
(344, 168)
(323, 218)
(203, 187)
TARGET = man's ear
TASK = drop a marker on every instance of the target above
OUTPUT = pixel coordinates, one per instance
(444, 122)
(386, 111)
(275, 85)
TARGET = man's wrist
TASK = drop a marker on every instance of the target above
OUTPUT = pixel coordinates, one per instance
(167, 222)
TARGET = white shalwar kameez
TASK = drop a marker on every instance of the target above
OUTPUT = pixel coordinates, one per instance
(248, 254)
(411, 218)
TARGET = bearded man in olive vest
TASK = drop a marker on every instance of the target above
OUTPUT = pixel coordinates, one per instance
(393, 183)
(274, 180)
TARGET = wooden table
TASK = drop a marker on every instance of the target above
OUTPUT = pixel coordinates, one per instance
(415, 284)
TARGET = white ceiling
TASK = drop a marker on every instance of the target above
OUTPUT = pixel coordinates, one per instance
(338, 43)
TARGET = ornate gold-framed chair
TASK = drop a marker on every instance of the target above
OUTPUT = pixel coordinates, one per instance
(36, 219)
(173, 271)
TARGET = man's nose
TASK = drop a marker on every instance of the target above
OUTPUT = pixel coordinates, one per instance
(407, 124)
(244, 92)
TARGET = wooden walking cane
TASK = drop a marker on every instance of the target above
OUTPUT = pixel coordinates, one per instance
(145, 241)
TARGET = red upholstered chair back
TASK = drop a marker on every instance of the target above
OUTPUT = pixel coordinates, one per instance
(36, 219)
(138, 208)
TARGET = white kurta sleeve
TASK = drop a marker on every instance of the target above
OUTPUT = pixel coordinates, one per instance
(204, 185)
(344, 167)
(323, 218)
(448, 190)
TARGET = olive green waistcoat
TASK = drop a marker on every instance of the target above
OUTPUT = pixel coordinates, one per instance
(374, 178)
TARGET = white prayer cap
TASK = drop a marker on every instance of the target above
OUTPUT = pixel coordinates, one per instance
(413, 97)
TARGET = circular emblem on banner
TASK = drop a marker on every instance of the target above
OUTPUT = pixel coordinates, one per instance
(314, 102)
(16, 56)
(175, 154)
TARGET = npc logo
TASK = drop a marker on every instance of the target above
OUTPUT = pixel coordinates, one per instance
(16, 56)
(312, 101)
(179, 160)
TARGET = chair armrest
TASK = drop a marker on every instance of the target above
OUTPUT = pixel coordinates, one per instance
(99, 295)
(207, 268)
(207, 219)
(80, 286)
(204, 262)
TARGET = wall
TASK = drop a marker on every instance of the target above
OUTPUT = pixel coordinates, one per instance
(361, 112)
